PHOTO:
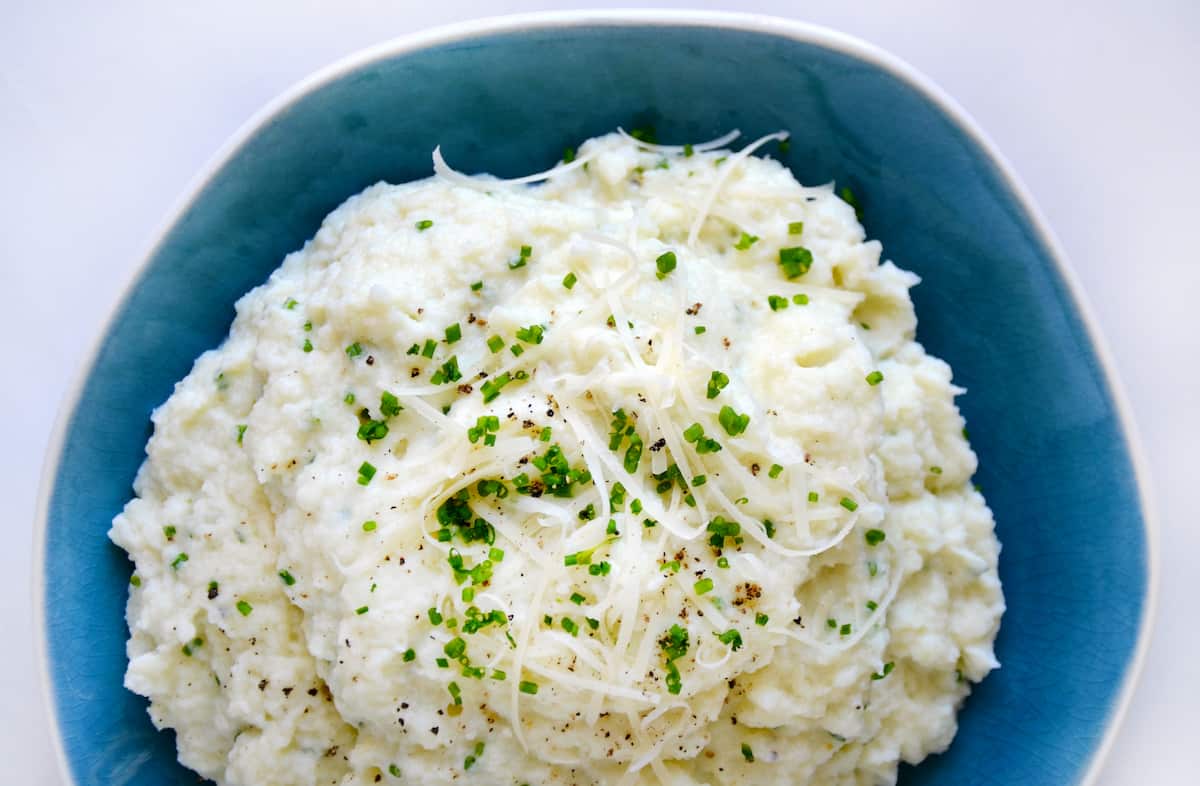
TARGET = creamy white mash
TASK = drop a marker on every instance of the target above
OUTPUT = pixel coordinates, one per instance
(635, 476)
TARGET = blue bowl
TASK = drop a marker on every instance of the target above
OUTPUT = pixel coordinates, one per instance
(506, 96)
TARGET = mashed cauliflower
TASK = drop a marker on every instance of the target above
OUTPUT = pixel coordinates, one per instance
(634, 476)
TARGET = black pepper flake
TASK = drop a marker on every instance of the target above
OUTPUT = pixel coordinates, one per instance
(262, 685)
(658, 445)
(370, 360)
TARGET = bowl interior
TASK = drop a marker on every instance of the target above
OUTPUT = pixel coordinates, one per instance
(1054, 460)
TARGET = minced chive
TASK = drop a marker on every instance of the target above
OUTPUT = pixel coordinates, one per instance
(455, 648)
(348, 398)
(179, 560)
(732, 422)
(569, 626)
(672, 566)
(307, 347)
(875, 537)
(361, 610)
(936, 470)
(287, 577)
(476, 286)
(874, 378)
(532, 334)
(389, 405)
(410, 655)
(747, 752)
(887, 669)
(703, 586)
(800, 299)
(599, 569)
(368, 526)
(354, 350)
(761, 619)
(850, 199)
(415, 349)
(135, 580)
(429, 348)
(831, 624)
(577, 599)
(665, 263)
(722, 562)
(495, 344)
(499, 675)
(442, 663)
(496, 555)
(745, 241)
(528, 687)
(568, 155)
(453, 333)
(872, 605)
(796, 228)
(813, 496)
(169, 531)
(244, 608)
(699, 480)
(700, 330)
(716, 383)
(424, 224)
(517, 350)
(547, 620)
(872, 569)
(365, 472)
(848, 504)
(611, 529)
(635, 507)
(241, 429)
(795, 261)
(291, 303)
(777, 302)
(731, 637)
(594, 624)
(569, 280)
(435, 617)
(774, 471)
(307, 326)
(845, 630)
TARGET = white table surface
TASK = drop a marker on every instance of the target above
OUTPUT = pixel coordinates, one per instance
(107, 109)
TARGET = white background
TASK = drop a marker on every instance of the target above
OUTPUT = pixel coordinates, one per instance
(107, 109)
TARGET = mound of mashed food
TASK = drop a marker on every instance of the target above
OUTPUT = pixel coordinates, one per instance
(633, 476)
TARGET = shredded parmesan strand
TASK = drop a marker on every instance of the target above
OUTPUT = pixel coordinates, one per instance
(723, 175)
(442, 169)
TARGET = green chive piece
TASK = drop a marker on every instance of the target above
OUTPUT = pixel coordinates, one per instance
(308, 347)
(179, 560)
(796, 228)
(369, 526)
(733, 423)
(761, 619)
(287, 577)
(495, 344)
(665, 263)
(731, 637)
(244, 608)
(354, 350)
(774, 471)
(365, 472)
(703, 586)
(700, 330)
(569, 280)
(777, 302)
(530, 688)
(453, 333)
(795, 261)
(848, 504)
(874, 378)
(747, 752)
(875, 536)
(424, 224)
(291, 303)
(361, 610)
(887, 669)
(716, 383)
(800, 299)
(429, 348)
(813, 496)
(745, 241)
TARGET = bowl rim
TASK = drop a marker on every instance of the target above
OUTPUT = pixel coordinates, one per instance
(795, 30)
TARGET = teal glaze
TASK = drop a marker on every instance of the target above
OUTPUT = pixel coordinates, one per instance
(1055, 464)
